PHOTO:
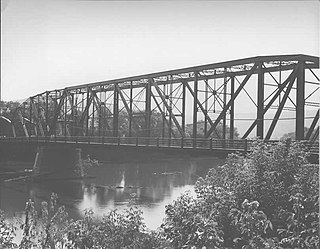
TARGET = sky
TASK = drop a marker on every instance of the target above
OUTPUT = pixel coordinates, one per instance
(52, 44)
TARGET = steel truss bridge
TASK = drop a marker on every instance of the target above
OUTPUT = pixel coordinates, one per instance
(195, 103)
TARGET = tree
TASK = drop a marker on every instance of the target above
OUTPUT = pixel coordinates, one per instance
(254, 199)
(7, 118)
(218, 134)
(292, 135)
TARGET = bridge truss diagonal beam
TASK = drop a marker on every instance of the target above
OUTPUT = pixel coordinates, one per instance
(37, 117)
(275, 96)
(127, 107)
(162, 113)
(279, 110)
(155, 85)
(245, 80)
(56, 114)
(201, 107)
(312, 126)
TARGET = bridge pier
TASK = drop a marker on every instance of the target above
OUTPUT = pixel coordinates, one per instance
(58, 163)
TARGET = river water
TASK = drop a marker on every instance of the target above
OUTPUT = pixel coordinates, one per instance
(112, 186)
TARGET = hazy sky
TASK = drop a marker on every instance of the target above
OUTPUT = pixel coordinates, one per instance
(50, 44)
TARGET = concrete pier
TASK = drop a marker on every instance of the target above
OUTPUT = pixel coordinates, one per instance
(55, 163)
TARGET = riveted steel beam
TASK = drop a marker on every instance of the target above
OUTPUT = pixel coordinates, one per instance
(232, 109)
(148, 110)
(162, 113)
(313, 62)
(275, 96)
(155, 85)
(115, 123)
(127, 107)
(36, 116)
(315, 136)
(195, 107)
(279, 110)
(101, 108)
(243, 83)
(224, 118)
(56, 114)
(312, 126)
(300, 101)
(201, 107)
(260, 102)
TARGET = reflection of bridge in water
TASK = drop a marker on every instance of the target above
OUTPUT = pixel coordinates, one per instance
(155, 108)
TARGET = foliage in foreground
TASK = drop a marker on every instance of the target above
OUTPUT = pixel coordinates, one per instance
(267, 199)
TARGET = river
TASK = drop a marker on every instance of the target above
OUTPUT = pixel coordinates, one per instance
(153, 185)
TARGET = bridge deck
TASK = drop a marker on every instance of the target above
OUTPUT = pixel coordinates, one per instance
(241, 145)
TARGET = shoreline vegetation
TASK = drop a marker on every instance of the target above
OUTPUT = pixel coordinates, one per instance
(268, 198)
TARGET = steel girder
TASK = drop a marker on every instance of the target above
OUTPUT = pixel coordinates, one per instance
(195, 101)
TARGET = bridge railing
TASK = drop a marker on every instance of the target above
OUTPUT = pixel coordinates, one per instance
(199, 143)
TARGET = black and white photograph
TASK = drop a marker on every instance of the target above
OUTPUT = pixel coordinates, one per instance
(148, 124)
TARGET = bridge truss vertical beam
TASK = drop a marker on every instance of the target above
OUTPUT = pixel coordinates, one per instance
(300, 102)
(183, 112)
(65, 115)
(224, 119)
(232, 108)
(195, 106)
(260, 102)
(206, 91)
(130, 110)
(47, 113)
(115, 123)
(89, 100)
(148, 109)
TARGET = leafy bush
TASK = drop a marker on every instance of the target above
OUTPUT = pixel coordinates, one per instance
(270, 177)
(115, 230)
(301, 229)
(7, 232)
(185, 226)
(252, 225)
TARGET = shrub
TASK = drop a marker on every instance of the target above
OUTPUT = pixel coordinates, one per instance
(186, 226)
(115, 230)
(7, 232)
(252, 225)
(46, 228)
(271, 177)
(301, 228)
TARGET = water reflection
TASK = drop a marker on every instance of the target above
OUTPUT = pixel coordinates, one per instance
(153, 185)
